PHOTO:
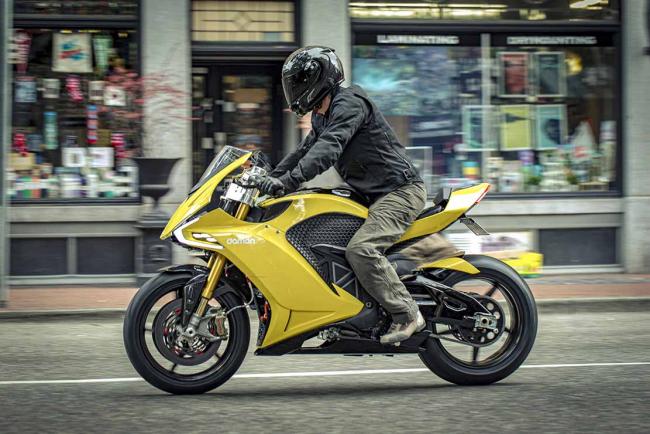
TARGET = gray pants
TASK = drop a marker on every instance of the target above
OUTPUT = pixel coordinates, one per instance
(388, 219)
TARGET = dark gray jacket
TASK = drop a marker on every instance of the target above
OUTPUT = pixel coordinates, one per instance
(355, 138)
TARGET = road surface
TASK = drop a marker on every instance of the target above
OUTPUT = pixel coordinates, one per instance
(587, 373)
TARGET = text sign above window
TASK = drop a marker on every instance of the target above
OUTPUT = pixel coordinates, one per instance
(597, 39)
(419, 39)
(449, 40)
(552, 40)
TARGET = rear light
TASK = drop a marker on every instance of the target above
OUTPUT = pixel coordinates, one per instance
(480, 198)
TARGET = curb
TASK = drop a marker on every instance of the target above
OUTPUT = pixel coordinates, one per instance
(102, 313)
(555, 305)
(594, 304)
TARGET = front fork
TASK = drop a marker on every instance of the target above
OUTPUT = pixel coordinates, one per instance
(216, 264)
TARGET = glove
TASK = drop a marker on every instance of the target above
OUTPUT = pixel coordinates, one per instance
(271, 186)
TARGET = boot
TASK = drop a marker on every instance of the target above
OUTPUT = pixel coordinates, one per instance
(400, 332)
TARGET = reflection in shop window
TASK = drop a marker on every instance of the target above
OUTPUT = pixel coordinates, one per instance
(526, 119)
(75, 121)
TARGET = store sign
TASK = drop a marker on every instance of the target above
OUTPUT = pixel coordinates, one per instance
(552, 40)
(419, 39)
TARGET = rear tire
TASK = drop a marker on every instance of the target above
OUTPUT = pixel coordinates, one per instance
(435, 356)
(146, 365)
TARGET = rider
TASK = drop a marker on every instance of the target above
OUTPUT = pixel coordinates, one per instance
(350, 133)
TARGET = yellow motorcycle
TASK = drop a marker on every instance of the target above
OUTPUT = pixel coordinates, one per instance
(187, 330)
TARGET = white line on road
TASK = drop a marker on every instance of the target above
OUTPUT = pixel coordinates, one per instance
(314, 374)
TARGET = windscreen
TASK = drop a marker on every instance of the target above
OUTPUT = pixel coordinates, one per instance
(227, 155)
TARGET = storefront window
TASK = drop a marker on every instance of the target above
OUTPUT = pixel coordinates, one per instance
(76, 114)
(527, 113)
(454, 10)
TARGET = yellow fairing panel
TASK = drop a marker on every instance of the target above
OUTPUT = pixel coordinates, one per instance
(459, 203)
(458, 264)
(200, 198)
(300, 300)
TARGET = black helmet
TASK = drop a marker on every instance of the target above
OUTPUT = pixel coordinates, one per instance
(308, 75)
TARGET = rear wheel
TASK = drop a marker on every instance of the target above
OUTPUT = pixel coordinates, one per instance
(176, 365)
(479, 356)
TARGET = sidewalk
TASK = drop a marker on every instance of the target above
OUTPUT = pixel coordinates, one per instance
(548, 290)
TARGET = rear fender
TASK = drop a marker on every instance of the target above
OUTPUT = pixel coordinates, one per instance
(456, 264)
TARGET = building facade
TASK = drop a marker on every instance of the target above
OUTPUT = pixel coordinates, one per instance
(544, 100)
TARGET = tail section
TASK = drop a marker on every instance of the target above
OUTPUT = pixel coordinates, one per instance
(435, 220)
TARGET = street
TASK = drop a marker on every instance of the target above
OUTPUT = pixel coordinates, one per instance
(587, 373)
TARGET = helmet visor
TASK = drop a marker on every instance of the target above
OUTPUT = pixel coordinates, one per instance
(295, 87)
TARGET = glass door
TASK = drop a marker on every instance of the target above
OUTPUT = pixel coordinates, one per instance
(238, 106)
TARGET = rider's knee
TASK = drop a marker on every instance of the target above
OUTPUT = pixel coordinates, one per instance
(356, 253)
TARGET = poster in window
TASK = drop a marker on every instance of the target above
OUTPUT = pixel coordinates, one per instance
(550, 74)
(513, 77)
(478, 133)
(19, 50)
(550, 126)
(50, 128)
(96, 91)
(51, 88)
(102, 45)
(583, 142)
(114, 96)
(71, 53)
(74, 157)
(390, 82)
(100, 157)
(34, 142)
(512, 177)
(516, 127)
(25, 89)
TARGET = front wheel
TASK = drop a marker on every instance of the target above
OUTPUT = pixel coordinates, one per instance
(474, 356)
(173, 365)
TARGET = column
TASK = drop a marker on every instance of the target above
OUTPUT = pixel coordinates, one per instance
(635, 246)
(5, 115)
(166, 64)
(328, 23)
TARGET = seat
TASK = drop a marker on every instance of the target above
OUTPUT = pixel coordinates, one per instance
(439, 203)
(346, 191)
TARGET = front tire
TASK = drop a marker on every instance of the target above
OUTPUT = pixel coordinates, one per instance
(441, 361)
(150, 364)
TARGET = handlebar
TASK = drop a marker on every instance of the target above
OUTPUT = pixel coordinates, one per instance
(254, 180)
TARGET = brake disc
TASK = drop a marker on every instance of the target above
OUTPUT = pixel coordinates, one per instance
(174, 347)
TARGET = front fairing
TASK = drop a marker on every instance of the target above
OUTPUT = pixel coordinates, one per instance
(200, 196)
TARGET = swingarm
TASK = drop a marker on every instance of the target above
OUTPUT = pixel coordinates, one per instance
(453, 307)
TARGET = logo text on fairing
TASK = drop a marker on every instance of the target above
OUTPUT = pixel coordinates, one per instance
(241, 241)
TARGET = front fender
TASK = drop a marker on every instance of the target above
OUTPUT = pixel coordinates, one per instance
(184, 272)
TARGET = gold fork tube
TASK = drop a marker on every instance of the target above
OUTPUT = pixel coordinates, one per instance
(216, 264)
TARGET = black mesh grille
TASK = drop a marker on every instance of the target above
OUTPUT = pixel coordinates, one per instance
(334, 229)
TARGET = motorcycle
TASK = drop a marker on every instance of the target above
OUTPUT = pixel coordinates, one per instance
(187, 330)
